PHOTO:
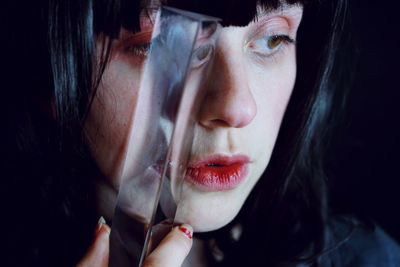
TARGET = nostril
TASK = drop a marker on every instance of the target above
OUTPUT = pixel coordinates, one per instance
(218, 123)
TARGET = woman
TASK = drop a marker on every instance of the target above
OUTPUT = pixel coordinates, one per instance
(277, 214)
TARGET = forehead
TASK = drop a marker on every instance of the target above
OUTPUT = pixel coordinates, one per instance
(233, 12)
(111, 15)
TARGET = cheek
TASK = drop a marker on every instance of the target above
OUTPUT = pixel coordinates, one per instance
(109, 120)
(272, 90)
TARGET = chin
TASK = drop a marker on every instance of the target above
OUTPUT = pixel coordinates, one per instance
(208, 208)
(209, 211)
(205, 220)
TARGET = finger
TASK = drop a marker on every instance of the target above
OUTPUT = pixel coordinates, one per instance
(97, 254)
(159, 231)
(173, 249)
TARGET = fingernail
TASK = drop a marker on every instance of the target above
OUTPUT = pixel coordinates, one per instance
(187, 230)
(100, 224)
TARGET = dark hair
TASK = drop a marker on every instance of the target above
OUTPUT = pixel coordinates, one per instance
(287, 213)
(49, 172)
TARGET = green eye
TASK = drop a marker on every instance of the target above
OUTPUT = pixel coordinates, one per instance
(274, 41)
(269, 45)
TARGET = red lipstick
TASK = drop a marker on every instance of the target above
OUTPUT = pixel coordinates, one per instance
(217, 172)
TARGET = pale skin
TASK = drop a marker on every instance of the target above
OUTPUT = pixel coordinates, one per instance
(253, 78)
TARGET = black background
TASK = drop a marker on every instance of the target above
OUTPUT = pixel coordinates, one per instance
(366, 149)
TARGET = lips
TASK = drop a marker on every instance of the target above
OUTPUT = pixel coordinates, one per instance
(217, 173)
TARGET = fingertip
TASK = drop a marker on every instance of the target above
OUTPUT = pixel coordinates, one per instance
(98, 253)
(101, 239)
(102, 230)
(179, 240)
(183, 234)
(106, 229)
(103, 236)
(100, 223)
(186, 230)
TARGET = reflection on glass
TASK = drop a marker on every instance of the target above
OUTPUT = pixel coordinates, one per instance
(161, 133)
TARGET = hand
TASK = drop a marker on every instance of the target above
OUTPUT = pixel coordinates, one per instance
(179, 241)
(97, 254)
(173, 249)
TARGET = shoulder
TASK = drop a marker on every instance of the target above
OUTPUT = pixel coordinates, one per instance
(353, 243)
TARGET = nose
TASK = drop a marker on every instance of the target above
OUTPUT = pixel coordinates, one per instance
(229, 101)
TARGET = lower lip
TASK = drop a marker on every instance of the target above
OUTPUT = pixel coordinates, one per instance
(217, 178)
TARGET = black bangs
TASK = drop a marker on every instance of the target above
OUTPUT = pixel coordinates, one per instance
(232, 12)
(110, 15)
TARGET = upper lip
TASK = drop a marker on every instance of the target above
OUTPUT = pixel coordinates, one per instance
(219, 160)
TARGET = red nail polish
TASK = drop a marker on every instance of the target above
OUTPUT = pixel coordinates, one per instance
(186, 231)
(167, 222)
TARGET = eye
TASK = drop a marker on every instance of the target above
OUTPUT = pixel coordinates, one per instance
(274, 41)
(138, 44)
(139, 50)
(201, 55)
(269, 45)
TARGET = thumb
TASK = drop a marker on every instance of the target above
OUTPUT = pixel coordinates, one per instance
(97, 254)
(173, 249)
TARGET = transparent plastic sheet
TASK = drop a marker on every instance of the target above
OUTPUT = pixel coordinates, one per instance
(162, 128)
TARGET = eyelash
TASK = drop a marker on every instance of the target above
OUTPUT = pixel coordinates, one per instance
(284, 41)
(142, 49)
(139, 50)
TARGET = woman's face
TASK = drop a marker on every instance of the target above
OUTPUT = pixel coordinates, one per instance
(252, 77)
